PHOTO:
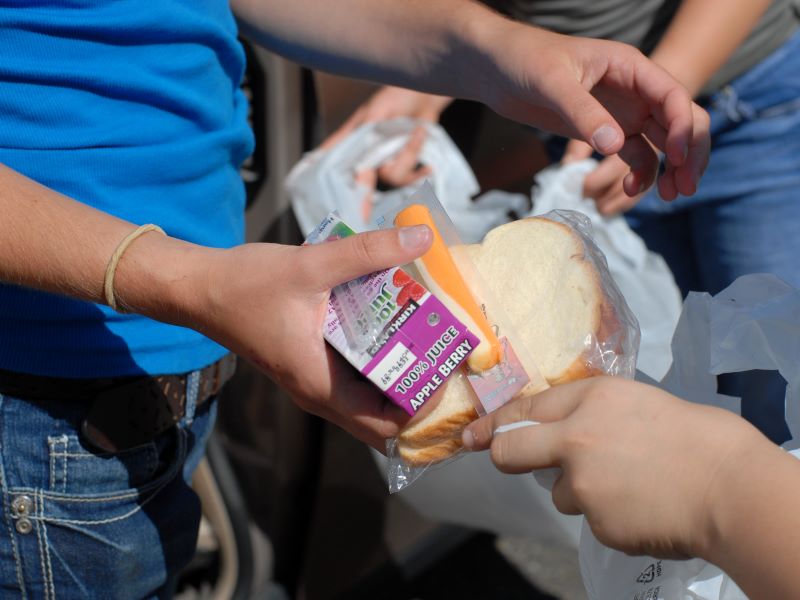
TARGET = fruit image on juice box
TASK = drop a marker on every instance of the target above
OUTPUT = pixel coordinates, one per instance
(393, 330)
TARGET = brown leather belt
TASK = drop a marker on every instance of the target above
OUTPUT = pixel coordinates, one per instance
(123, 412)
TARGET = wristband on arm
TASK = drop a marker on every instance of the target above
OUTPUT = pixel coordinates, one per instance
(111, 268)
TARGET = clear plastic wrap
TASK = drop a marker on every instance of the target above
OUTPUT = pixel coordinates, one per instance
(615, 353)
(607, 345)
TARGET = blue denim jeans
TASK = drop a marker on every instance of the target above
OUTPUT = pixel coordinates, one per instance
(78, 523)
(745, 217)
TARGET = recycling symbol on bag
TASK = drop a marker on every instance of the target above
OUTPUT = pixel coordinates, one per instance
(650, 573)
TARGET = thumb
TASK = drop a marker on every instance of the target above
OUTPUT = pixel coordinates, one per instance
(592, 122)
(576, 150)
(364, 253)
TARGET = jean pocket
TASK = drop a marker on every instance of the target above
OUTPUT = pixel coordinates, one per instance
(78, 468)
(111, 525)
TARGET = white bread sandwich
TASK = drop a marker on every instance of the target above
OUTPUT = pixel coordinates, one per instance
(538, 272)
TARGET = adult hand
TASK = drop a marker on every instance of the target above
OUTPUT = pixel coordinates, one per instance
(605, 183)
(267, 303)
(391, 102)
(604, 93)
(646, 468)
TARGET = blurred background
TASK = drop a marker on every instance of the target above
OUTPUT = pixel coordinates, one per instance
(294, 507)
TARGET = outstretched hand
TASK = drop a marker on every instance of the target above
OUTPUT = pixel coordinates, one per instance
(604, 93)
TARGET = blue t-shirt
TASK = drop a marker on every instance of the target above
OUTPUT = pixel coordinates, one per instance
(133, 108)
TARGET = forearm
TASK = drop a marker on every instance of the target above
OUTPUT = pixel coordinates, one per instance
(703, 35)
(429, 45)
(56, 244)
(756, 532)
(438, 104)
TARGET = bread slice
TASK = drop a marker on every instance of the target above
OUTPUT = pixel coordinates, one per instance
(536, 269)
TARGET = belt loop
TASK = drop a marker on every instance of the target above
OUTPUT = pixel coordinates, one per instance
(192, 388)
(735, 109)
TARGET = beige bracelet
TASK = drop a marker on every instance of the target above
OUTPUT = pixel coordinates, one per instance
(108, 282)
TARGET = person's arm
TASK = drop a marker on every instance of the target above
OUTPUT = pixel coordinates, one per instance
(660, 476)
(265, 302)
(700, 39)
(755, 522)
(703, 35)
(605, 93)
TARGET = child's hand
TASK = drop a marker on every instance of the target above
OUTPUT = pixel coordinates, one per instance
(649, 471)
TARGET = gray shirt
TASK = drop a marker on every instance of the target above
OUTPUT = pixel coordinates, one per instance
(643, 22)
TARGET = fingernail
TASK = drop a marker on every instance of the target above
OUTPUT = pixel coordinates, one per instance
(468, 439)
(414, 238)
(604, 139)
(627, 183)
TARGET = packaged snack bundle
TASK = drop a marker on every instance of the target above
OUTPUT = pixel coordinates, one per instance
(541, 283)
(466, 328)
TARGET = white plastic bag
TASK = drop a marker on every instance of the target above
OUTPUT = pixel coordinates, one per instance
(643, 277)
(752, 324)
(327, 180)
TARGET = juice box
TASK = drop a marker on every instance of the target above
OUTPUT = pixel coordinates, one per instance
(393, 330)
